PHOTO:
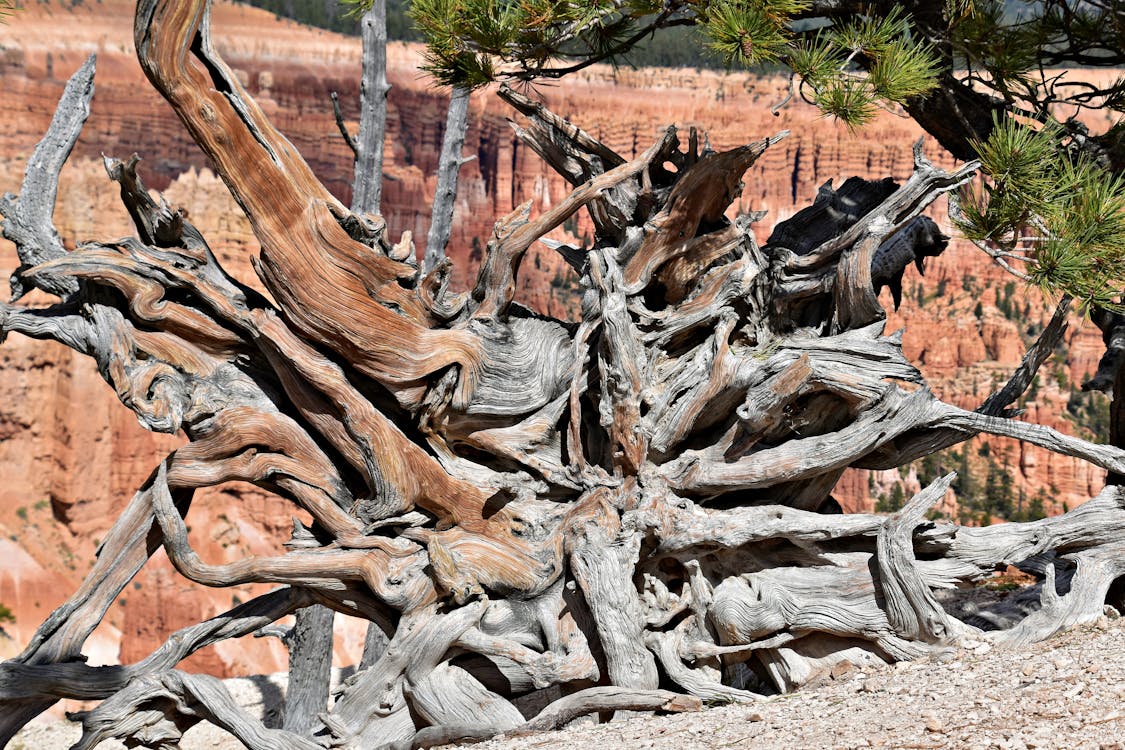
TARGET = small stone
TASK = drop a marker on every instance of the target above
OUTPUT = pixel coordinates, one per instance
(1102, 623)
(933, 724)
(1028, 669)
(1075, 691)
(982, 649)
(755, 716)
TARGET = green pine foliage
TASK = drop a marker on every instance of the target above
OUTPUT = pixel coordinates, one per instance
(901, 70)
(1057, 212)
(847, 100)
(847, 68)
(750, 32)
(996, 40)
(897, 67)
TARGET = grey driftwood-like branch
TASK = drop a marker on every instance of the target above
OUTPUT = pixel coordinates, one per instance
(367, 187)
(628, 512)
(449, 166)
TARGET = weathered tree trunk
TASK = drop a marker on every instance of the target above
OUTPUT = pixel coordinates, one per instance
(1110, 378)
(367, 187)
(449, 166)
(311, 642)
(539, 513)
(310, 669)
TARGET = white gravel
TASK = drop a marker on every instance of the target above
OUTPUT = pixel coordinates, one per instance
(1065, 693)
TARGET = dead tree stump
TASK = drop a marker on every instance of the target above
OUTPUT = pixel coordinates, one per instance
(597, 516)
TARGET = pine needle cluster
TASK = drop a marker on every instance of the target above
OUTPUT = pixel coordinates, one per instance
(1057, 212)
(847, 68)
(471, 43)
(854, 66)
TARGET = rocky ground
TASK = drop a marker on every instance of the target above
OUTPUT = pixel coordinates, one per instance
(1067, 692)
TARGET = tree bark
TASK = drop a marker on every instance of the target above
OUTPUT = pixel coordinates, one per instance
(310, 669)
(367, 187)
(449, 165)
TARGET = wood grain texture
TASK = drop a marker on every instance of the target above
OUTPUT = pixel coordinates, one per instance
(546, 518)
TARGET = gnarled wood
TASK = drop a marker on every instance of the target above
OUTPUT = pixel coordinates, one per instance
(535, 511)
(28, 219)
(911, 608)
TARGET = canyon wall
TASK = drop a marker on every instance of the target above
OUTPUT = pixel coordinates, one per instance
(70, 456)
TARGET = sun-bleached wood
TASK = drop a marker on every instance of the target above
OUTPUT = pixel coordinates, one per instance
(449, 166)
(546, 518)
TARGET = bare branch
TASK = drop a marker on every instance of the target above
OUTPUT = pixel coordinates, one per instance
(28, 219)
(342, 126)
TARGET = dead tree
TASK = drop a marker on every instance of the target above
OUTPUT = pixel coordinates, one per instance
(546, 518)
(449, 165)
